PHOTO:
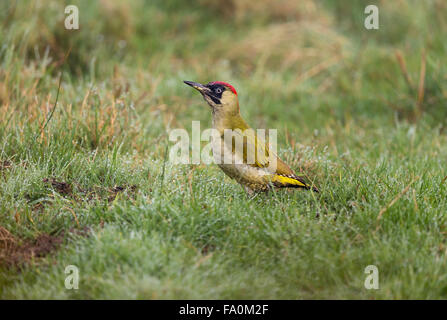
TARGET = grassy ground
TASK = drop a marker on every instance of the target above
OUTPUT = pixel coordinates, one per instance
(85, 182)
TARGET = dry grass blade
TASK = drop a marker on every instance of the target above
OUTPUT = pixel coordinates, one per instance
(57, 95)
(404, 191)
(421, 87)
(403, 67)
(312, 72)
(6, 239)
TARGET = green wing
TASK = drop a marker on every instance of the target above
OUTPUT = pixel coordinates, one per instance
(255, 152)
(248, 146)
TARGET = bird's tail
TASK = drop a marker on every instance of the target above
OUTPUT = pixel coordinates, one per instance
(291, 181)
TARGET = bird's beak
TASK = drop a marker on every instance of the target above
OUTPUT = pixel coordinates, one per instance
(199, 87)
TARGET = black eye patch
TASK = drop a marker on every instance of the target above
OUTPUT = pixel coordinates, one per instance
(215, 100)
(217, 90)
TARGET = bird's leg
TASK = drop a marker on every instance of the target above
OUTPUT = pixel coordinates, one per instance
(250, 192)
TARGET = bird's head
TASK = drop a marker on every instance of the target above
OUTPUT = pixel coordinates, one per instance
(221, 96)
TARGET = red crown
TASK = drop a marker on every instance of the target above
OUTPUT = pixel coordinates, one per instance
(225, 84)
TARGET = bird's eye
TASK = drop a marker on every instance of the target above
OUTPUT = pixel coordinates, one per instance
(219, 90)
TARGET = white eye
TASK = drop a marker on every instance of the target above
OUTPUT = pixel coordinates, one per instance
(218, 90)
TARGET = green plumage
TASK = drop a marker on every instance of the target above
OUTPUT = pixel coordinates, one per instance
(258, 168)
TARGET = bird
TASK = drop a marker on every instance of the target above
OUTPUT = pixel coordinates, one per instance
(258, 174)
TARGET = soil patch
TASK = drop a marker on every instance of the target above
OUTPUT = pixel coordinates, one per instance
(15, 252)
(5, 164)
(63, 188)
(66, 189)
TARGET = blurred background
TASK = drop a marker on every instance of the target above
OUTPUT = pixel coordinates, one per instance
(301, 65)
(363, 112)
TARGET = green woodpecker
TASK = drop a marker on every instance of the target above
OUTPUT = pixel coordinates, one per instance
(255, 175)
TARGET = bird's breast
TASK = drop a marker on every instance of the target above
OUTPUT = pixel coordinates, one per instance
(234, 165)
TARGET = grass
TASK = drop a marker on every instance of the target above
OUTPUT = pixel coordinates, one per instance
(363, 112)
